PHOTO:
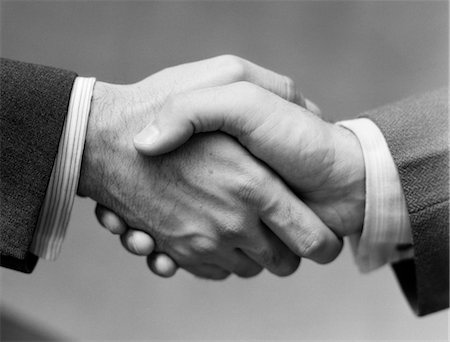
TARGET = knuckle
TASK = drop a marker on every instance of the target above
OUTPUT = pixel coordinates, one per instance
(247, 188)
(175, 103)
(249, 185)
(184, 253)
(237, 71)
(204, 246)
(308, 245)
(233, 231)
(234, 67)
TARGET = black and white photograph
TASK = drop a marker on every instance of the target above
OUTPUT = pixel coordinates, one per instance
(224, 170)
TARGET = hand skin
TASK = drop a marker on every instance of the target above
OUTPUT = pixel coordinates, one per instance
(142, 244)
(210, 206)
(322, 162)
(136, 242)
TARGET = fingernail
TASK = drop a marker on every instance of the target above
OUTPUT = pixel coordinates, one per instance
(140, 243)
(133, 244)
(110, 223)
(164, 266)
(148, 136)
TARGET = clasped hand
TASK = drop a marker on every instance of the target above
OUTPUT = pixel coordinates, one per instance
(221, 167)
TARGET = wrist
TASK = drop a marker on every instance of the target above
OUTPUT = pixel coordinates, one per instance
(351, 179)
(117, 113)
(100, 128)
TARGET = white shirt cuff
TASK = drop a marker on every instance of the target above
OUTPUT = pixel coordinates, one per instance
(62, 188)
(386, 222)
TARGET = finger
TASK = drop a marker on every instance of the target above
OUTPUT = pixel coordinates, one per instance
(137, 242)
(162, 265)
(110, 220)
(207, 271)
(295, 223)
(300, 99)
(280, 85)
(239, 263)
(313, 108)
(238, 109)
(245, 267)
(268, 251)
(227, 69)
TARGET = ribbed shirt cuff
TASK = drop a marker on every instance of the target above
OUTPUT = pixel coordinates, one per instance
(62, 188)
(386, 222)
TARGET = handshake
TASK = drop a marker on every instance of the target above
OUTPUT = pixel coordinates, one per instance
(220, 167)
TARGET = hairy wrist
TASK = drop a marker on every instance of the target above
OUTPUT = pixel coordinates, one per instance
(110, 160)
(101, 130)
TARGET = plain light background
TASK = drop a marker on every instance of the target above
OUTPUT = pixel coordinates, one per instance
(346, 56)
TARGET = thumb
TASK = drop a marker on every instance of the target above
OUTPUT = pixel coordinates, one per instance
(236, 109)
(161, 136)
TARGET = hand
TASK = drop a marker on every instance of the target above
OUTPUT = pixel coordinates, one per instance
(321, 162)
(141, 243)
(136, 242)
(204, 204)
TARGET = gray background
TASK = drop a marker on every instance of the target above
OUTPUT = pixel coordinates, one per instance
(346, 56)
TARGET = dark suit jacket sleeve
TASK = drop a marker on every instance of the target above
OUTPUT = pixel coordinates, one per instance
(416, 131)
(33, 105)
